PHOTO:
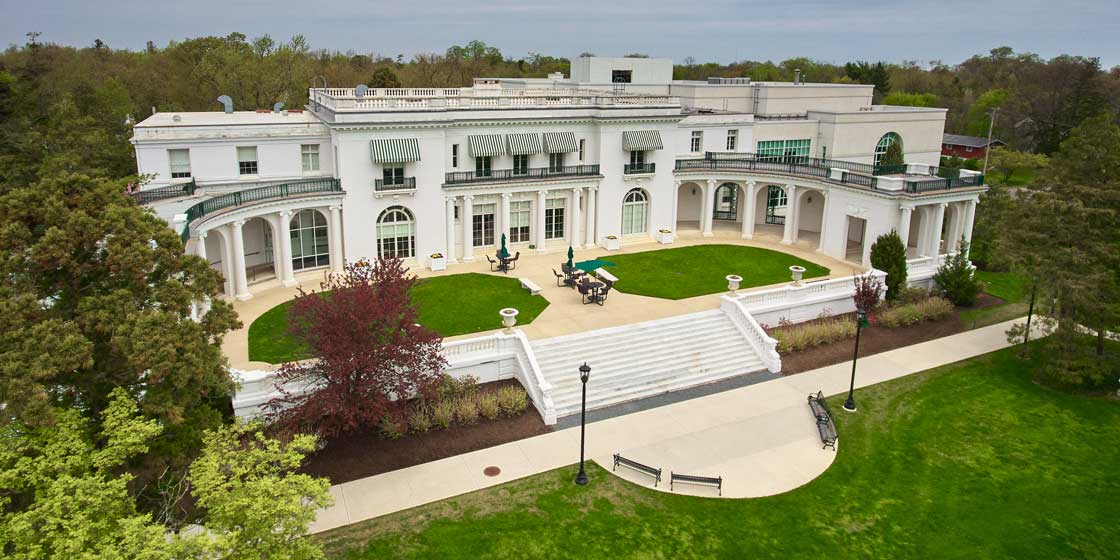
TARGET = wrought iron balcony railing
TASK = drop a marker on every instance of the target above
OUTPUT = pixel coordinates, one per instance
(161, 193)
(270, 192)
(528, 174)
(635, 168)
(399, 184)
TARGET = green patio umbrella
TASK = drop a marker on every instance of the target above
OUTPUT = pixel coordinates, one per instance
(571, 255)
(503, 252)
(588, 266)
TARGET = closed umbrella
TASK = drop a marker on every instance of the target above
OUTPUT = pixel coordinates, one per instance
(504, 253)
(571, 255)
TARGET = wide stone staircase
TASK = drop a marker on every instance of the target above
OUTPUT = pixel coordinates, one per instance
(642, 360)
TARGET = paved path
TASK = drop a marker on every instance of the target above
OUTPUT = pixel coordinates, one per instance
(760, 438)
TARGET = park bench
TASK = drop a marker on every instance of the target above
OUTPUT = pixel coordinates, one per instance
(825, 425)
(528, 284)
(716, 481)
(604, 275)
(646, 469)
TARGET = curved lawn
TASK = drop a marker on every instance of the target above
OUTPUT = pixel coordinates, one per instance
(686, 272)
(450, 305)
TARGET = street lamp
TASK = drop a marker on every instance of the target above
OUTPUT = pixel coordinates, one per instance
(584, 375)
(861, 320)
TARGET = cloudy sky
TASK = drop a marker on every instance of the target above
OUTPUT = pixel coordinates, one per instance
(837, 30)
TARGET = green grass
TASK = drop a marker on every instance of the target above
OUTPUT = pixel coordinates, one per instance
(450, 305)
(687, 272)
(1006, 286)
(970, 460)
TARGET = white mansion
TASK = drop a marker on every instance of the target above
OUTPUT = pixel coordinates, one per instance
(615, 153)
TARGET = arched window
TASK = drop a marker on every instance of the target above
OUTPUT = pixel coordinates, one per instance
(884, 143)
(727, 202)
(396, 234)
(309, 240)
(635, 209)
(776, 205)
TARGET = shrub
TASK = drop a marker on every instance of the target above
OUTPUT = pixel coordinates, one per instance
(889, 255)
(451, 389)
(391, 428)
(466, 411)
(957, 280)
(512, 400)
(931, 309)
(808, 335)
(488, 405)
(443, 414)
(421, 420)
(912, 294)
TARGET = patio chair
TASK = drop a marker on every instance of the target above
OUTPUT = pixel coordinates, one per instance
(561, 280)
(491, 261)
(513, 261)
(603, 294)
(584, 292)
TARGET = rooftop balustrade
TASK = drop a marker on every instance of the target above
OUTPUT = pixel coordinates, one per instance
(343, 100)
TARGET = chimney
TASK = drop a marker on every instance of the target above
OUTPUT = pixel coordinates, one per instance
(226, 102)
(796, 76)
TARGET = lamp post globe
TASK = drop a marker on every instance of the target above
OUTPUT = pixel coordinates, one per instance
(584, 375)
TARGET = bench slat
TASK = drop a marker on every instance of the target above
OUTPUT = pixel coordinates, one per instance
(654, 472)
(716, 481)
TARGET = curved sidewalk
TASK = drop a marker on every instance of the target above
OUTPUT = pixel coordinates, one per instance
(760, 438)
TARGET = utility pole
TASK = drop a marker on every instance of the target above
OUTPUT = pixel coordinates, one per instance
(988, 148)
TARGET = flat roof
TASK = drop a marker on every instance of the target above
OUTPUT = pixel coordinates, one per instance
(219, 118)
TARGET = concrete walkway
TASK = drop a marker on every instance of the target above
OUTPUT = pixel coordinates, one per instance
(761, 438)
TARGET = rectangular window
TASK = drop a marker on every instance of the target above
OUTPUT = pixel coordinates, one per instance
(520, 216)
(554, 218)
(556, 162)
(455, 156)
(393, 173)
(180, 163)
(521, 164)
(732, 140)
(637, 158)
(482, 166)
(786, 151)
(482, 225)
(696, 143)
(247, 160)
(310, 155)
(581, 149)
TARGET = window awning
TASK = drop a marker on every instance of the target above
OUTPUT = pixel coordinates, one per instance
(560, 142)
(523, 144)
(394, 150)
(483, 145)
(641, 140)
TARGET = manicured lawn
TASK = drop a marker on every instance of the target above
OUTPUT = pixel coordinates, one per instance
(1006, 286)
(450, 305)
(971, 460)
(687, 272)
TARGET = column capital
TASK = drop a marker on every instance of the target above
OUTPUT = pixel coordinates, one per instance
(468, 197)
(507, 195)
(906, 207)
(285, 213)
(335, 207)
(596, 189)
(791, 187)
(943, 205)
(752, 184)
(677, 183)
(202, 235)
(542, 192)
(712, 182)
(237, 224)
(450, 199)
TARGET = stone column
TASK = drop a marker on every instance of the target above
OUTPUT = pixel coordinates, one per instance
(709, 208)
(287, 274)
(335, 239)
(573, 220)
(541, 202)
(200, 249)
(969, 221)
(227, 260)
(904, 214)
(749, 209)
(504, 213)
(589, 233)
(788, 235)
(240, 282)
(824, 221)
(449, 252)
(468, 234)
(934, 248)
(676, 205)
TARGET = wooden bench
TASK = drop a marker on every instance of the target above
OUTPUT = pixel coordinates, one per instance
(716, 481)
(528, 284)
(646, 469)
(826, 427)
(604, 275)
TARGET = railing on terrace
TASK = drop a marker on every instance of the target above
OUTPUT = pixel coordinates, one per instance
(345, 99)
(635, 168)
(917, 186)
(162, 193)
(532, 173)
(270, 192)
(402, 184)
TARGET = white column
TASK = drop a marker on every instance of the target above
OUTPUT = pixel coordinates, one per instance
(449, 252)
(709, 207)
(788, 235)
(200, 249)
(904, 214)
(676, 200)
(541, 202)
(468, 235)
(969, 221)
(957, 229)
(335, 239)
(824, 221)
(240, 283)
(592, 195)
(938, 224)
(749, 210)
(287, 274)
(227, 260)
(573, 220)
(504, 211)
(200, 307)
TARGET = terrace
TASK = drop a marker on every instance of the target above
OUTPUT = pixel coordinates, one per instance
(481, 96)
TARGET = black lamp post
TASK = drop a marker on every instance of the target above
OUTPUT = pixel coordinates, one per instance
(584, 375)
(850, 404)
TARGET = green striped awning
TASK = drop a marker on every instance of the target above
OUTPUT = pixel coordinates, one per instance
(394, 150)
(523, 144)
(560, 142)
(483, 145)
(641, 140)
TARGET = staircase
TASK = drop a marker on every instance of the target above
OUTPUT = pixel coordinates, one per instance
(643, 360)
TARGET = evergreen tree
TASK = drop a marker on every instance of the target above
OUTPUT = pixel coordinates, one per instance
(893, 155)
(888, 255)
(957, 279)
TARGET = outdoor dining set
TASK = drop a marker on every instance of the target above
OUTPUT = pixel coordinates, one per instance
(505, 262)
(591, 290)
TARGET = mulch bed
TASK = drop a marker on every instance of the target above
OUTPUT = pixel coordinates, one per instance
(366, 453)
(876, 339)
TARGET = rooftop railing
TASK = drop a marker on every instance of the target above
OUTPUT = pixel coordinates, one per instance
(529, 174)
(270, 192)
(440, 99)
(163, 193)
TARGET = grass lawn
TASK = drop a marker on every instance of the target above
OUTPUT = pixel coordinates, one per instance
(687, 272)
(450, 305)
(970, 460)
(1006, 286)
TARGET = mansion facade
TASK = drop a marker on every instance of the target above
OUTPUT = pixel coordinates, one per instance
(616, 153)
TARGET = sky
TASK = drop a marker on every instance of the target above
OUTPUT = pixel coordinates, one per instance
(722, 31)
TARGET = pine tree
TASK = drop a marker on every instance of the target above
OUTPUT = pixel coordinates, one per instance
(893, 155)
(888, 255)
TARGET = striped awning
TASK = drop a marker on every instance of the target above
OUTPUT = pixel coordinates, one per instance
(641, 140)
(394, 150)
(560, 142)
(523, 144)
(483, 145)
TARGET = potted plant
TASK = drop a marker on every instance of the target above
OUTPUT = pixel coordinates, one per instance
(612, 242)
(797, 272)
(664, 236)
(509, 318)
(437, 262)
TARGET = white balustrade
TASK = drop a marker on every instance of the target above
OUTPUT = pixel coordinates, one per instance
(765, 346)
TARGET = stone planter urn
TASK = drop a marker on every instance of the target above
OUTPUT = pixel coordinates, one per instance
(797, 272)
(437, 262)
(665, 237)
(509, 318)
(733, 281)
(612, 242)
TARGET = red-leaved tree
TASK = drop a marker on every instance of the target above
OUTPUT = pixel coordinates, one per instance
(371, 353)
(868, 293)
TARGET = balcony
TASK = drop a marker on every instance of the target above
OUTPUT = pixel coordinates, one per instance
(259, 194)
(637, 168)
(457, 178)
(149, 196)
(395, 185)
